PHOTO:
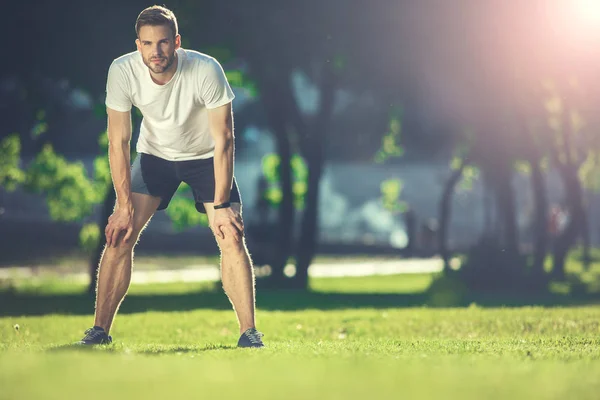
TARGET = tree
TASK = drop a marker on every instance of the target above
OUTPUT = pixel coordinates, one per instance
(568, 154)
(445, 209)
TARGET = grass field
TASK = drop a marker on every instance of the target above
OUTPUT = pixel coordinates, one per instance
(348, 338)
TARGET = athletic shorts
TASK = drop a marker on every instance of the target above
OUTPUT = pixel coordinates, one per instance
(160, 178)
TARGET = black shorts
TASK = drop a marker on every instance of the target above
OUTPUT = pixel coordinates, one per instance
(160, 178)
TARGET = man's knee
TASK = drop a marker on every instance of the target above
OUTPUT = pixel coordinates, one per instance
(229, 245)
(122, 248)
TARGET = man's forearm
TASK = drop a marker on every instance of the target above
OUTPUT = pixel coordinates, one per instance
(223, 159)
(119, 160)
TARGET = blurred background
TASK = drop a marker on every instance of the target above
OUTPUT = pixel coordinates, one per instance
(459, 137)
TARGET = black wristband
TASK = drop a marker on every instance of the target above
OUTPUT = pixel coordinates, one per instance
(222, 205)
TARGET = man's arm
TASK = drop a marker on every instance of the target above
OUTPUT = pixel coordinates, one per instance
(226, 220)
(221, 129)
(119, 136)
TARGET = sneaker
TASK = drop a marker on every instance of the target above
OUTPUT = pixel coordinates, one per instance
(251, 338)
(95, 335)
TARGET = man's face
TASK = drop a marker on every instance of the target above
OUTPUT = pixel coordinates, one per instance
(157, 46)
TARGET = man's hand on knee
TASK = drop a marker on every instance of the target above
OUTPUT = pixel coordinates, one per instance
(120, 222)
(228, 222)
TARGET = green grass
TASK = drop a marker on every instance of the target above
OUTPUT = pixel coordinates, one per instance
(348, 338)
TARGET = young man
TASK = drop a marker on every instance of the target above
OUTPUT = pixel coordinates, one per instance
(186, 136)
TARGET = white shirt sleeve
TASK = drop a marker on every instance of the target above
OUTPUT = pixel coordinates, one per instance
(214, 89)
(117, 90)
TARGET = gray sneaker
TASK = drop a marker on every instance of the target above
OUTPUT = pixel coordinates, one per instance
(251, 338)
(95, 335)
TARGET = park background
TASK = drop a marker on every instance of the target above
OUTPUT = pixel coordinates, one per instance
(427, 160)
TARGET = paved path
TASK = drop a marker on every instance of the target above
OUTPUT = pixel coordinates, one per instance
(206, 273)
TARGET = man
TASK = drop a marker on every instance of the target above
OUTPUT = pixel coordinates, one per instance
(186, 136)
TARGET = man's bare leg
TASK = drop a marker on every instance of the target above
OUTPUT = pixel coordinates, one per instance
(237, 275)
(116, 264)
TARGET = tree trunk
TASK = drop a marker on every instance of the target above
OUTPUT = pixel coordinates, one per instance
(107, 209)
(283, 246)
(276, 96)
(540, 225)
(586, 240)
(307, 243)
(489, 228)
(574, 199)
(314, 149)
(506, 211)
(446, 212)
(566, 239)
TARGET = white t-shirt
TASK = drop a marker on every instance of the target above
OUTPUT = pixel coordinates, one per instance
(175, 115)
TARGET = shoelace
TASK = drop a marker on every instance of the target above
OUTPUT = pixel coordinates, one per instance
(254, 336)
(92, 334)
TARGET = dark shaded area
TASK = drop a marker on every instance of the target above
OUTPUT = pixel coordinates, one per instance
(43, 243)
(153, 352)
(272, 300)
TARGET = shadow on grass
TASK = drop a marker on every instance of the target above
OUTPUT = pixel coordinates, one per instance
(18, 304)
(70, 347)
(185, 350)
(117, 349)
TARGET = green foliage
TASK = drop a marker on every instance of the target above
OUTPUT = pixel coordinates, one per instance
(89, 237)
(470, 174)
(523, 167)
(11, 175)
(274, 195)
(238, 78)
(271, 164)
(40, 126)
(456, 163)
(589, 172)
(564, 119)
(182, 210)
(102, 177)
(299, 168)
(300, 180)
(461, 152)
(390, 143)
(270, 167)
(299, 190)
(391, 189)
(235, 77)
(103, 142)
(390, 147)
(70, 195)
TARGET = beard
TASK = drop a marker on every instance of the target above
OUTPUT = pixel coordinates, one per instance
(162, 66)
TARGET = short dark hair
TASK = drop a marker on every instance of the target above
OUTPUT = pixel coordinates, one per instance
(155, 16)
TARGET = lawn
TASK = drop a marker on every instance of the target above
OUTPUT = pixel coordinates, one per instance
(348, 338)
